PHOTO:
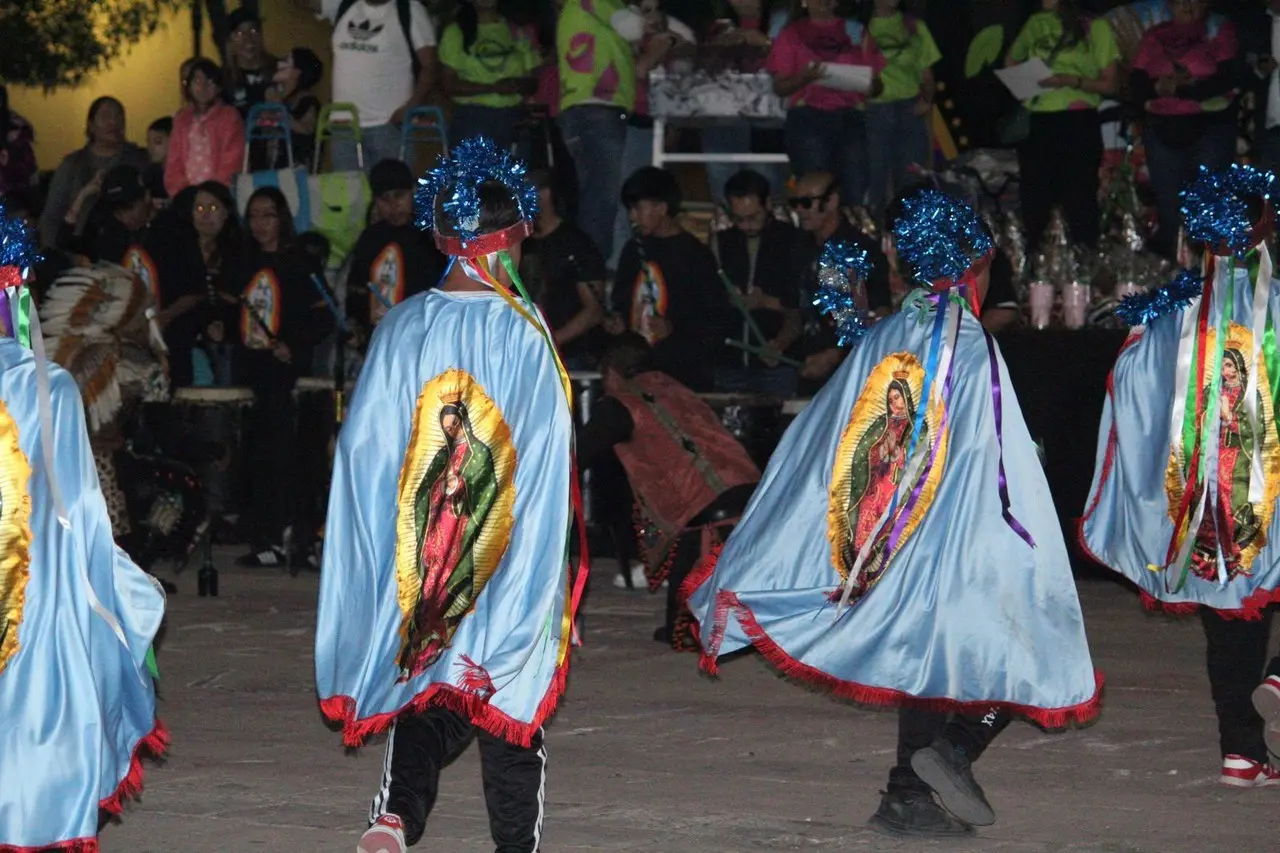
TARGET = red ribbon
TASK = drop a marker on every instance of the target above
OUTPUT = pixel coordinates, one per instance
(485, 244)
(968, 282)
(11, 277)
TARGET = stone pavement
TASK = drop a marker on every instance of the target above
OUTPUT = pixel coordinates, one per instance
(647, 754)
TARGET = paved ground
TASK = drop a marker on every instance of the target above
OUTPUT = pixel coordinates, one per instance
(648, 755)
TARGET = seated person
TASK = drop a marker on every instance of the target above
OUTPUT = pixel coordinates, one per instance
(755, 255)
(392, 260)
(667, 287)
(117, 221)
(685, 469)
(566, 275)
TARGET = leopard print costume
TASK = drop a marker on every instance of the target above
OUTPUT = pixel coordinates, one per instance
(117, 508)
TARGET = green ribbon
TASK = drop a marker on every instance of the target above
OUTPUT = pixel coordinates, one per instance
(152, 666)
(22, 317)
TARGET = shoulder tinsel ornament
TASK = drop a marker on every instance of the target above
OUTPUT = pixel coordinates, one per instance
(1216, 211)
(940, 238)
(18, 256)
(454, 185)
(1140, 309)
(842, 272)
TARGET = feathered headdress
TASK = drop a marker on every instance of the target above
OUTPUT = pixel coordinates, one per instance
(842, 273)
(453, 186)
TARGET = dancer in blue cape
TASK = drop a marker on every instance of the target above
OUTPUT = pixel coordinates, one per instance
(77, 618)
(1184, 493)
(446, 597)
(902, 548)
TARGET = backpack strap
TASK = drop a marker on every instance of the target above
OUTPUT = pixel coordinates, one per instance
(405, 11)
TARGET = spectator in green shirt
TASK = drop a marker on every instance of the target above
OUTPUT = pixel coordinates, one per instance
(1060, 158)
(897, 118)
(487, 69)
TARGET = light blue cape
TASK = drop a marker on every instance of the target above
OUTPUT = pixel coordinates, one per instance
(505, 665)
(966, 615)
(77, 701)
(1126, 524)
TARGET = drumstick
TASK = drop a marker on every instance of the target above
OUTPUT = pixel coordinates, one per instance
(761, 353)
(386, 303)
(257, 318)
(741, 306)
(330, 299)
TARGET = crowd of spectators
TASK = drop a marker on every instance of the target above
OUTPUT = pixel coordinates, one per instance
(564, 85)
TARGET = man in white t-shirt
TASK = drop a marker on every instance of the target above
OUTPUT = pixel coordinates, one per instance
(378, 45)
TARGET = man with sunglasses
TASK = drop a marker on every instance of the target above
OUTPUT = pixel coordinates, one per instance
(816, 203)
(755, 256)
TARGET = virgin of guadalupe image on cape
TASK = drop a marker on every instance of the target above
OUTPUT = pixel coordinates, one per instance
(450, 509)
(1234, 517)
(878, 465)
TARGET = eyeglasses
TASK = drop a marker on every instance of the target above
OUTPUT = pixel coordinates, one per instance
(243, 32)
(806, 202)
(208, 208)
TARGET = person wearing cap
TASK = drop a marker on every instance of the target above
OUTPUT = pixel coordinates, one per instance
(1183, 501)
(392, 260)
(447, 597)
(77, 617)
(249, 68)
(902, 549)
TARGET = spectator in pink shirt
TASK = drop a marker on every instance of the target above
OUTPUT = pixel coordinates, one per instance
(825, 129)
(207, 143)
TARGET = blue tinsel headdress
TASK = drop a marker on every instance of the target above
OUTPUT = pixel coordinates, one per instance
(842, 272)
(17, 250)
(454, 183)
(940, 237)
(1215, 208)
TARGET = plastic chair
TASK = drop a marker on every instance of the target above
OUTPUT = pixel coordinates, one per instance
(340, 120)
(423, 126)
(268, 123)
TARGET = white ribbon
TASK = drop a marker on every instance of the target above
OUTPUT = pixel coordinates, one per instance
(44, 401)
(923, 451)
(1258, 326)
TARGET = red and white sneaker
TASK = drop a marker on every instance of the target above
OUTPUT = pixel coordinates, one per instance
(1241, 772)
(1266, 699)
(385, 836)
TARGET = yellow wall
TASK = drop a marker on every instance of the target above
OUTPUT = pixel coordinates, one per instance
(146, 78)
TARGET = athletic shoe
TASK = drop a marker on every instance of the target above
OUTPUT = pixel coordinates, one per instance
(637, 580)
(1241, 772)
(385, 836)
(1266, 699)
(914, 813)
(946, 770)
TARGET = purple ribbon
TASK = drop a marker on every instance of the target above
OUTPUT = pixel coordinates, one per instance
(6, 314)
(996, 405)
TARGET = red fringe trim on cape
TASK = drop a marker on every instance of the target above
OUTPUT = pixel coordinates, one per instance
(153, 745)
(355, 731)
(879, 697)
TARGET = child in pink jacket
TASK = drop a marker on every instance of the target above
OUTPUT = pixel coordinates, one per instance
(207, 143)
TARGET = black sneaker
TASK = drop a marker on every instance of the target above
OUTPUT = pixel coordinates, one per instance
(946, 770)
(914, 813)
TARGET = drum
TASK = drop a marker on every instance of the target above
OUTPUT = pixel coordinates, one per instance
(755, 420)
(588, 385)
(209, 425)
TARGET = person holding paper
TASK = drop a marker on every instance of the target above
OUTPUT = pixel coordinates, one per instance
(1060, 156)
(897, 118)
(813, 61)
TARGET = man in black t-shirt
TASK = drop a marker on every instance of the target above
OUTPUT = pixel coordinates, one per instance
(392, 260)
(816, 201)
(667, 287)
(756, 256)
(565, 274)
